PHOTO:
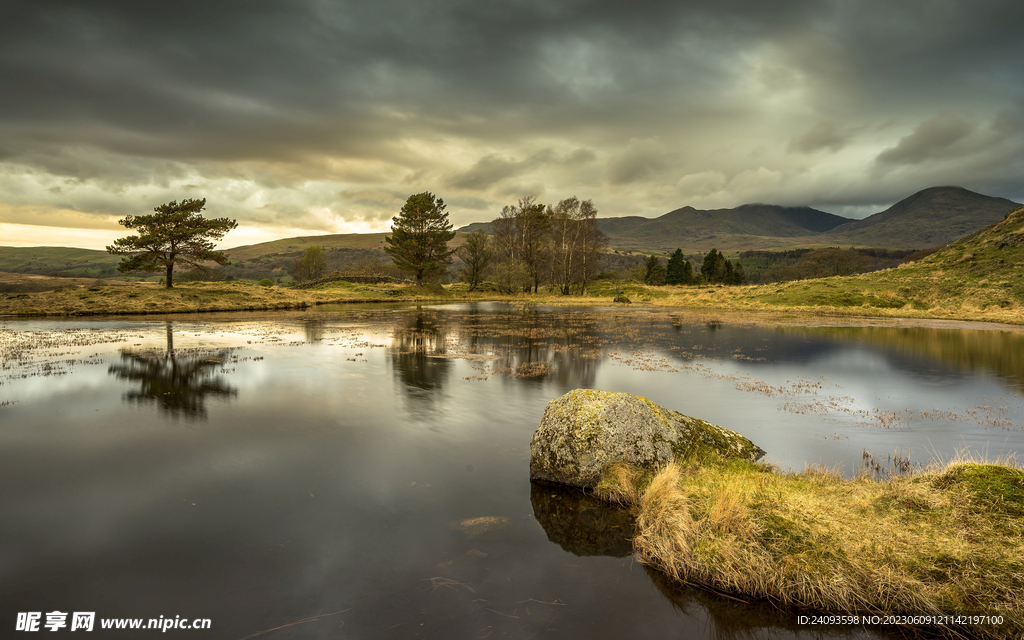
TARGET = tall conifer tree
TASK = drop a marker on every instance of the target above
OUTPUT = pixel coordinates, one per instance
(419, 238)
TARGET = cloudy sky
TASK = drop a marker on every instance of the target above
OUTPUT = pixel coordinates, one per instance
(319, 116)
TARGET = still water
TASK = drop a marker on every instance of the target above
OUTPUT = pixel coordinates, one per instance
(364, 472)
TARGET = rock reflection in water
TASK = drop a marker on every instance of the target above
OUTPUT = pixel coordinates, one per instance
(581, 524)
(178, 384)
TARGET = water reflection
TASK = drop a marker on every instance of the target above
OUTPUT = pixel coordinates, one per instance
(999, 352)
(332, 485)
(581, 524)
(313, 328)
(517, 343)
(178, 384)
(418, 352)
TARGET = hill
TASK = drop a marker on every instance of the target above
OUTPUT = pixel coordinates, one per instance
(295, 246)
(979, 277)
(748, 226)
(701, 229)
(59, 261)
(929, 218)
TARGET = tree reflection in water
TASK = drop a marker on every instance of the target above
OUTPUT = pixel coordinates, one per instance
(178, 384)
(418, 350)
(518, 343)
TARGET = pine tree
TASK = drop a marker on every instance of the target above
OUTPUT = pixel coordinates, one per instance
(680, 271)
(654, 272)
(175, 234)
(707, 267)
(419, 238)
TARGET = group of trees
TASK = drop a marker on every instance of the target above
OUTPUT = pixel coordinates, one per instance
(715, 269)
(531, 244)
(534, 244)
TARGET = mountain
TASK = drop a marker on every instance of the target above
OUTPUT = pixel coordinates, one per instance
(976, 277)
(746, 226)
(929, 218)
(689, 226)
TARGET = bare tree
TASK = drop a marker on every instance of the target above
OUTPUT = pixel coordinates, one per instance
(520, 235)
(476, 253)
(592, 242)
(565, 232)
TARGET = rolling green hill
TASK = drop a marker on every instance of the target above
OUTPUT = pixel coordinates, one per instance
(59, 261)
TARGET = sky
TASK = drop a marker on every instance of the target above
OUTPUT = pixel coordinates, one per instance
(311, 116)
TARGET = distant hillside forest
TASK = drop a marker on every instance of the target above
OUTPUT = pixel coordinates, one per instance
(801, 264)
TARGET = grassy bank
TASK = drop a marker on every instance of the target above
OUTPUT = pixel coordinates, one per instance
(941, 542)
(824, 297)
(195, 297)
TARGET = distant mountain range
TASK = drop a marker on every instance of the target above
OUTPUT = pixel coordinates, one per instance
(929, 218)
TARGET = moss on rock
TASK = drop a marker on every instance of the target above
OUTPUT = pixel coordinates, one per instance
(586, 430)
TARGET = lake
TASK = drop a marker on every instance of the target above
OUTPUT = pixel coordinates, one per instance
(363, 472)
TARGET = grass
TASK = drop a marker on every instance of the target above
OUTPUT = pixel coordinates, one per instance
(942, 541)
(195, 297)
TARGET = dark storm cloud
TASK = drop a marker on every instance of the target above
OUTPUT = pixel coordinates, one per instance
(283, 81)
(491, 169)
(825, 134)
(110, 103)
(931, 140)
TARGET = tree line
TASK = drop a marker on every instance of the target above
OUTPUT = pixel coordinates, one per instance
(801, 264)
(531, 244)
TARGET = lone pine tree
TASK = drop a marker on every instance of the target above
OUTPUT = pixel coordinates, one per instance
(419, 238)
(175, 234)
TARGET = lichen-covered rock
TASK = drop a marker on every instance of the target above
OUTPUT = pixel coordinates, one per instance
(585, 430)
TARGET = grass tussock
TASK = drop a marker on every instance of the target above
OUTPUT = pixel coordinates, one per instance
(945, 540)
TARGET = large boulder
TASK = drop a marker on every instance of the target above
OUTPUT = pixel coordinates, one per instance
(585, 430)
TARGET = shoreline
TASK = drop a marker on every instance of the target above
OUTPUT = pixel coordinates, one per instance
(203, 298)
(938, 543)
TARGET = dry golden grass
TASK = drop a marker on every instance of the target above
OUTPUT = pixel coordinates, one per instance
(944, 541)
